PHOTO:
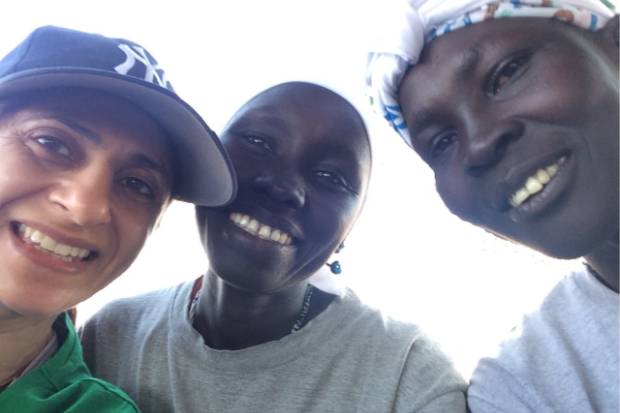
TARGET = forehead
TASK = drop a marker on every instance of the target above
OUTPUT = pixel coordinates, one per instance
(107, 120)
(309, 116)
(97, 109)
(447, 63)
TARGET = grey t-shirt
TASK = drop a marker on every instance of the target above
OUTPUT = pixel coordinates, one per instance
(564, 358)
(348, 359)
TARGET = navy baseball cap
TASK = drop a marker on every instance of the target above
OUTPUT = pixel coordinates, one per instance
(53, 57)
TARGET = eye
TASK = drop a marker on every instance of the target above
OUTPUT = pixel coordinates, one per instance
(334, 179)
(259, 142)
(507, 71)
(53, 145)
(138, 186)
(442, 143)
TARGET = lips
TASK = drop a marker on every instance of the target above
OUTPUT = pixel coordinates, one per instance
(261, 230)
(51, 245)
(531, 188)
(535, 183)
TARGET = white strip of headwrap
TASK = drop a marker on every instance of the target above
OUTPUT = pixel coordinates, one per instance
(410, 24)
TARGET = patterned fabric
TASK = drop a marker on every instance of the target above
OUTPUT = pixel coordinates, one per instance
(418, 22)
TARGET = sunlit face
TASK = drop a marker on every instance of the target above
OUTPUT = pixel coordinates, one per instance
(303, 162)
(83, 178)
(518, 118)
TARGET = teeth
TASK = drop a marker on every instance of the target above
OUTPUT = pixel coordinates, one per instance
(543, 176)
(535, 183)
(62, 249)
(46, 243)
(520, 196)
(36, 237)
(262, 231)
(275, 235)
(252, 226)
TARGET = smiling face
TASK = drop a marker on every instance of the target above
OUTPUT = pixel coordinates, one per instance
(83, 178)
(518, 118)
(303, 162)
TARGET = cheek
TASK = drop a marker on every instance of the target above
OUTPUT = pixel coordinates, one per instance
(132, 231)
(15, 168)
(566, 92)
(452, 191)
(334, 220)
(462, 198)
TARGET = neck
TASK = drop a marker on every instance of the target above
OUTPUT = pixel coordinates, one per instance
(230, 318)
(604, 262)
(21, 339)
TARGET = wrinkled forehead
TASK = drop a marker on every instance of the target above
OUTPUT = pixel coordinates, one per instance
(447, 60)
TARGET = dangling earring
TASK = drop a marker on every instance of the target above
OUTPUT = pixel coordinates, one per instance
(335, 267)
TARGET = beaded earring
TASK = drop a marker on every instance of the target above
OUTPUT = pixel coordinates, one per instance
(334, 266)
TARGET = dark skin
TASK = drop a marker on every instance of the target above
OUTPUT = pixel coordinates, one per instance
(491, 105)
(303, 162)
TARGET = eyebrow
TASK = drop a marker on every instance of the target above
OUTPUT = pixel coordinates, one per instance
(138, 159)
(420, 120)
(470, 58)
(142, 160)
(264, 117)
(76, 127)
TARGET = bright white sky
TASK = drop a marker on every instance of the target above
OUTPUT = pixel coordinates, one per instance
(407, 254)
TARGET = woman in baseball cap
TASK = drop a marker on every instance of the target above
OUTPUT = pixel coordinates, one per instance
(514, 106)
(94, 145)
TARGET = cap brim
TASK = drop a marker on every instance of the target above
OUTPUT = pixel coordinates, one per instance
(205, 173)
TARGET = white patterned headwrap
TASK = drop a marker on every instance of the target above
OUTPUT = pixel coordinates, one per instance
(417, 22)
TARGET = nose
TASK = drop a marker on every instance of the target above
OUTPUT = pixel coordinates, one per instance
(287, 190)
(85, 196)
(486, 146)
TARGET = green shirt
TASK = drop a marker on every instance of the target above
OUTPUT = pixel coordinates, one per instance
(63, 383)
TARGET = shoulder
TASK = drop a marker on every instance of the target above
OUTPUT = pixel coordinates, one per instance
(427, 380)
(79, 393)
(122, 321)
(90, 394)
(152, 305)
(567, 336)
(387, 332)
(358, 320)
(63, 383)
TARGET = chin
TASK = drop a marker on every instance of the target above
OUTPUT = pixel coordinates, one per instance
(33, 308)
(568, 248)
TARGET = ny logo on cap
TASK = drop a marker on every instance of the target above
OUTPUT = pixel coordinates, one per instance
(133, 54)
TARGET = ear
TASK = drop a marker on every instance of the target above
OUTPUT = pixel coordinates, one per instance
(610, 31)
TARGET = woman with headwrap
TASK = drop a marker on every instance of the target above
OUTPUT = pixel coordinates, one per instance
(514, 105)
